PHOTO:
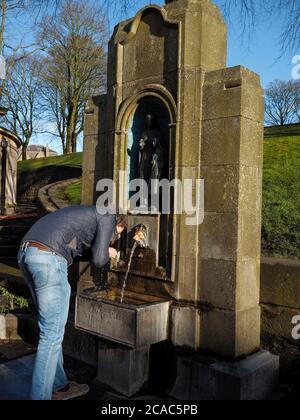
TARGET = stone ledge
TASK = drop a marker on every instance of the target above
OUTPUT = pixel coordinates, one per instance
(9, 327)
(48, 196)
(202, 378)
(280, 282)
(277, 321)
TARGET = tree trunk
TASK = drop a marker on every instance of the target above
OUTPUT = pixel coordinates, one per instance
(71, 130)
(24, 152)
(2, 26)
(74, 142)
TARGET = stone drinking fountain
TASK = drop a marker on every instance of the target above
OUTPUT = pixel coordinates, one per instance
(193, 293)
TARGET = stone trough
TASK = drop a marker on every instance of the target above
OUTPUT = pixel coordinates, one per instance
(139, 321)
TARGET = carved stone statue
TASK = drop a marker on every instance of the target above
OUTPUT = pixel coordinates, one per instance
(151, 158)
(151, 152)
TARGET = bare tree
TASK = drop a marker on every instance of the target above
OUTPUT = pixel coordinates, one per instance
(281, 102)
(21, 96)
(296, 101)
(290, 36)
(74, 65)
(249, 13)
(10, 8)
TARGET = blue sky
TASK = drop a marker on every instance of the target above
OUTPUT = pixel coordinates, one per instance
(260, 53)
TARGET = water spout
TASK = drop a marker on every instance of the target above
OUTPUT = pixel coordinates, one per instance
(140, 236)
(140, 239)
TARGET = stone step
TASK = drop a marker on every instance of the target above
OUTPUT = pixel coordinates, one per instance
(14, 349)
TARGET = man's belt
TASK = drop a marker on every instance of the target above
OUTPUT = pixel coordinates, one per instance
(37, 245)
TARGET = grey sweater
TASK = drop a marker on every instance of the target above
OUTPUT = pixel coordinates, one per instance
(70, 231)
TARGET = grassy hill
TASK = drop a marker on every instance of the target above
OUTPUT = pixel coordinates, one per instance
(281, 189)
(281, 192)
(74, 159)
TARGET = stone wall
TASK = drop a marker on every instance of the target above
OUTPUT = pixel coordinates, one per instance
(29, 183)
(280, 296)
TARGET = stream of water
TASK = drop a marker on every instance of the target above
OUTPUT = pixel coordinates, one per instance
(128, 270)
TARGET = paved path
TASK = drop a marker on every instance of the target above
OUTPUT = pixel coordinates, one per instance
(15, 378)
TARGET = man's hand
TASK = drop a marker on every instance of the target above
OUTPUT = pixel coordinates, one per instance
(113, 253)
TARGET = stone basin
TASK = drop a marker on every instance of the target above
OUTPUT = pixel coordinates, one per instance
(139, 321)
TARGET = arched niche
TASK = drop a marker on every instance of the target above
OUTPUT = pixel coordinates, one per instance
(138, 127)
(130, 126)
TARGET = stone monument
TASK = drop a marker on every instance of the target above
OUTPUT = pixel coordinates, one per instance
(197, 287)
(9, 146)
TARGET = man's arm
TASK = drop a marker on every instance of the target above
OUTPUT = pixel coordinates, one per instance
(105, 231)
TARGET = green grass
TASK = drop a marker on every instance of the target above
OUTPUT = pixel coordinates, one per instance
(73, 193)
(281, 189)
(74, 159)
(283, 131)
(281, 197)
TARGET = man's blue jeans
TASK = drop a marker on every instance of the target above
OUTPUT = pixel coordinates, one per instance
(46, 274)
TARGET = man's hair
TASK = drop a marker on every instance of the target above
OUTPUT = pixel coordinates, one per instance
(122, 220)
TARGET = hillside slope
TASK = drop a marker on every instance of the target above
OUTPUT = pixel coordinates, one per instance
(281, 189)
(281, 194)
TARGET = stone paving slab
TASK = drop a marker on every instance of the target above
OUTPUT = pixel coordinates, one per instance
(15, 378)
(10, 350)
(15, 381)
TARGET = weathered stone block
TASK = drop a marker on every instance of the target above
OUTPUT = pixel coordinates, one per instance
(247, 286)
(231, 141)
(233, 92)
(221, 141)
(90, 145)
(219, 236)
(124, 370)
(90, 180)
(229, 188)
(185, 326)
(95, 116)
(249, 236)
(191, 95)
(203, 25)
(187, 243)
(230, 334)
(221, 185)
(251, 143)
(187, 282)
(229, 285)
(193, 379)
(158, 37)
(217, 283)
(250, 191)
(254, 378)
(280, 282)
(201, 378)
(9, 327)
(188, 148)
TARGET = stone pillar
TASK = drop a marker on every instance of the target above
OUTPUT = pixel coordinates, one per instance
(95, 162)
(227, 327)
(231, 166)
